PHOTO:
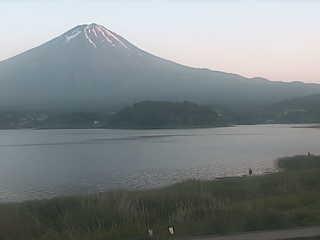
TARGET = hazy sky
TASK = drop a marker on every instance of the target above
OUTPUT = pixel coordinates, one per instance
(275, 39)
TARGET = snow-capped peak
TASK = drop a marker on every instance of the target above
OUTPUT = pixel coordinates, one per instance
(96, 35)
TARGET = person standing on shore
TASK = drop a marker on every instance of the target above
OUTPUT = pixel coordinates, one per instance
(250, 171)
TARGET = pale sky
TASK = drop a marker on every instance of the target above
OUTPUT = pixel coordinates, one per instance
(275, 39)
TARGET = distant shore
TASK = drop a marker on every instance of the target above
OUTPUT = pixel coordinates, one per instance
(294, 125)
(126, 128)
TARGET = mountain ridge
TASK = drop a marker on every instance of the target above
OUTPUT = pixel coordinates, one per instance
(90, 66)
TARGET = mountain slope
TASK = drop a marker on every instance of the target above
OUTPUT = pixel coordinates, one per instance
(91, 67)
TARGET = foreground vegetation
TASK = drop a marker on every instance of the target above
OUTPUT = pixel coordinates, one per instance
(286, 199)
(299, 162)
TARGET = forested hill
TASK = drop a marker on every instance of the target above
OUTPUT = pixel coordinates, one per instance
(297, 110)
(142, 115)
(153, 114)
(164, 114)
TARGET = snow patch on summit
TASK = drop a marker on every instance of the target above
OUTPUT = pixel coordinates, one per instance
(115, 37)
(100, 29)
(73, 35)
(96, 36)
(86, 30)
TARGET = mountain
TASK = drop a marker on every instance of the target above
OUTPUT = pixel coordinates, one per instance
(91, 67)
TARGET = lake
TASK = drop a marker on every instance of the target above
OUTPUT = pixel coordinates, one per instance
(37, 164)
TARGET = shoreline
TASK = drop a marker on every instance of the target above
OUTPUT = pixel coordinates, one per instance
(145, 188)
(294, 125)
(285, 199)
(110, 128)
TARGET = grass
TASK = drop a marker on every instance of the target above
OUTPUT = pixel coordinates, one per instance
(282, 200)
(299, 162)
(313, 238)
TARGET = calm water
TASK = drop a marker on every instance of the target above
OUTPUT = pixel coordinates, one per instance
(47, 163)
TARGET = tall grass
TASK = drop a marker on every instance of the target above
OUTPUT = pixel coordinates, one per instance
(299, 162)
(285, 199)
